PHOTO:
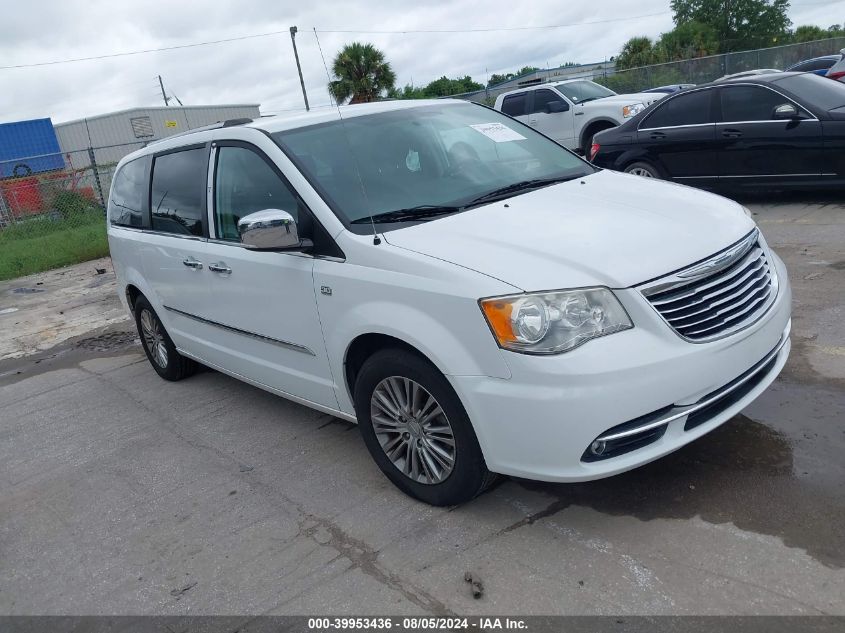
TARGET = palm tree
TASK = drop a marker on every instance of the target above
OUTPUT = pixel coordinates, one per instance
(362, 74)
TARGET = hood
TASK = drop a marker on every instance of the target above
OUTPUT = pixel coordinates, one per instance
(606, 229)
(646, 98)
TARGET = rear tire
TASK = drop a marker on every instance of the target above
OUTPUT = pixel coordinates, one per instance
(643, 169)
(159, 348)
(417, 430)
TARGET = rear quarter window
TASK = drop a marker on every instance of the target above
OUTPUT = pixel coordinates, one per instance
(126, 204)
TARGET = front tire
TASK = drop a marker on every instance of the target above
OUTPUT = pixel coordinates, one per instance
(159, 348)
(417, 430)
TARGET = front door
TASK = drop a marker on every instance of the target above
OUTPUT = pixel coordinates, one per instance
(755, 145)
(262, 304)
(551, 114)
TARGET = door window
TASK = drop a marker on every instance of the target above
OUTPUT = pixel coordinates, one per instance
(542, 98)
(692, 108)
(244, 184)
(178, 192)
(749, 103)
(127, 197)
(514, 105)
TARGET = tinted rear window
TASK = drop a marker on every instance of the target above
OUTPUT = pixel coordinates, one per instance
(692, 108)
(813, 64)
(816, 91)
(178, 192)
(514, 105)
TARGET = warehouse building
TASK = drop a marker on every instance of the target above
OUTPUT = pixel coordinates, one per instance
(112, 136)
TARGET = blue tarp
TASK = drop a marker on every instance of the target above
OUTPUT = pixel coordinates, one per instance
(29, 147)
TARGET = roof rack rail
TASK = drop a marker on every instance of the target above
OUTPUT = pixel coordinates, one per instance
(205, 128)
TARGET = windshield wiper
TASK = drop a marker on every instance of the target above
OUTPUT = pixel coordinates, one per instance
(506, 192)
(411, 214)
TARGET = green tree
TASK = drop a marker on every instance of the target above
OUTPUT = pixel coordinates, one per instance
(444, 87)
(637, 51)
(740, 24)
(688, 40)
(362, 73)
(499, 78)
(809, 33)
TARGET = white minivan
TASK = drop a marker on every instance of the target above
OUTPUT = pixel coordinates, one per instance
(477, 298)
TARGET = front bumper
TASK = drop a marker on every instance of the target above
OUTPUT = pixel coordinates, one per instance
(540, 423)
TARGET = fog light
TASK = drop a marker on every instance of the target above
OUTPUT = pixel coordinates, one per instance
(598, 447)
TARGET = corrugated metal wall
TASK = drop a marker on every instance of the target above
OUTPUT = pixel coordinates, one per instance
(115, 135)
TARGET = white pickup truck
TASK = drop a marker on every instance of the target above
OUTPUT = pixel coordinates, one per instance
(572, 112)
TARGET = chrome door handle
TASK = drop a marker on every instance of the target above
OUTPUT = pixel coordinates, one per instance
(192, 263)
(220, 268)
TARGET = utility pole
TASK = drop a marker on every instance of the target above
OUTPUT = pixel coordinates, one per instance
(298, 67)
(163, 94)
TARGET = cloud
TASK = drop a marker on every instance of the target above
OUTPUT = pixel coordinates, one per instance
(262, 70)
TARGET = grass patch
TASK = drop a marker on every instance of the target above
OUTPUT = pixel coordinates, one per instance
(43, 244)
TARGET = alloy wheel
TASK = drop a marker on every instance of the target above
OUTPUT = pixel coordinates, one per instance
(641, 171)
(413, 430)
(154, 338)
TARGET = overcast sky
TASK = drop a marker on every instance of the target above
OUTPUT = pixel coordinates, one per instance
(262, 70)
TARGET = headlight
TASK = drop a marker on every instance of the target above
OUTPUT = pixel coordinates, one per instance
(631, 110)
(554, 322)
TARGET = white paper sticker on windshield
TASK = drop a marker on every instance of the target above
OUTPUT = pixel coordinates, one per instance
(498, 132)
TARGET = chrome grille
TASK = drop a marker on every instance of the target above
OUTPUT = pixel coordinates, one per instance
(728, 292)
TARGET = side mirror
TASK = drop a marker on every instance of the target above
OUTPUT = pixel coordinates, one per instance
(270, 230)
(785, 111)
(556, 106)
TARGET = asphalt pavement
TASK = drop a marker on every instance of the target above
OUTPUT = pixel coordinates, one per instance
(121, 493)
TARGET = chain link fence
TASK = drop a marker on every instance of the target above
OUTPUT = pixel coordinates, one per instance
(697, 70)
(55, 216)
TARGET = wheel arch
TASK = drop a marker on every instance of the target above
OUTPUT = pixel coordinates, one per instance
(593, 127)
(132, 293)
(365, 345)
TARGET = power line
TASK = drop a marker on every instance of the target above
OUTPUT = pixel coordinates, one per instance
(350, 31)
(497, 28)
(143, 51)
(363, 32)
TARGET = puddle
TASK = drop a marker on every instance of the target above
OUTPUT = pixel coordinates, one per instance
(27, 291)
(109, 341)
(768, 477)
(8, 310)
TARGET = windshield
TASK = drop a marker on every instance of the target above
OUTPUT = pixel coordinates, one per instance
(417, 158)
(818, 91)
(580, 91)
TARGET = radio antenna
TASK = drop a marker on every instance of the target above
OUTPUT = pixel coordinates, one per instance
(376, 238)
